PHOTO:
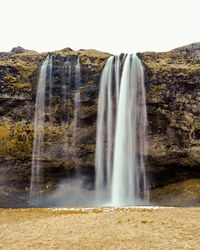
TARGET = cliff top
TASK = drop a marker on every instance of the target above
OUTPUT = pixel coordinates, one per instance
(181, 61)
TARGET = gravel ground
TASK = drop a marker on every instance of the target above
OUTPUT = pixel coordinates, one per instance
(103, 228)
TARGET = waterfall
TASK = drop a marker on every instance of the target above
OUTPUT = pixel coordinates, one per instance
(66, 87)
(38, 131)
(67, 72)
(117, 76)
(105, 125)
(66, 78)
(121, 148)
(130, 144)
(50, 80)
(50, 88)
(77, 96)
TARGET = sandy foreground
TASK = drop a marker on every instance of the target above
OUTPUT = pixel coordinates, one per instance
(104, 228)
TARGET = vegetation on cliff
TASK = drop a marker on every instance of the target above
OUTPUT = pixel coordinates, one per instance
(19, 71)
(172, 81)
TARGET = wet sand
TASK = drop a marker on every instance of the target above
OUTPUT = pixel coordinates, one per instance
(121, 228)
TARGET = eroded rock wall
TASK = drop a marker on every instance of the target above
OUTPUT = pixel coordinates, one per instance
(172, 81)
(19, 72)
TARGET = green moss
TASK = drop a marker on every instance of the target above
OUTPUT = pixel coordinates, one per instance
(157, 90)
(87, 147)
(53, 134)
(88, 110)
(15, 141)
(175, 64)
(18, 69)
(90, 84)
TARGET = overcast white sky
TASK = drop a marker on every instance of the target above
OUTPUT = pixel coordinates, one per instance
(113, 26)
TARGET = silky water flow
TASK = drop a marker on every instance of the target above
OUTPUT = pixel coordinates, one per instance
(121, 145)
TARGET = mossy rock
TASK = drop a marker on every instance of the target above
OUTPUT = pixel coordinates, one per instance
(15, 141)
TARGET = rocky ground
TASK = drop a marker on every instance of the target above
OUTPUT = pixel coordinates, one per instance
(120, 228)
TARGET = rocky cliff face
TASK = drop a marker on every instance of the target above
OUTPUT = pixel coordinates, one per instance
(19, 72)
(173, 92)
(172, 81)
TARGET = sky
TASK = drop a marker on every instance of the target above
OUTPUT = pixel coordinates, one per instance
(113, 26)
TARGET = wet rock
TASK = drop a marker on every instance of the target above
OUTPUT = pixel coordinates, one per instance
(172, 81)
(19, 71)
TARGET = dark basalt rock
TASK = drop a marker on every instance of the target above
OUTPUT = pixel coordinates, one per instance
(19, 71)
(172, 82)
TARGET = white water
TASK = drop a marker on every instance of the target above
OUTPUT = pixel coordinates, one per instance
(77, 97)
(130, 143)
(38, 153)
(120, 165)
(50, 78)
(50, 88)
(106, 127)
(117, 77)
(65, 91)
(66, 87)
(38, 131)
(67, 72)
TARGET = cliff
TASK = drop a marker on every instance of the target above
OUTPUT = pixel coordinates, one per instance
(19, 72)
(172, 81)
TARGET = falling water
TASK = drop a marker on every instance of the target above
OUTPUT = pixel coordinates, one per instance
(50, 89)
(67, 73)
(117, 76)
(130, 144)
(77, 96)
(120, 168)
(65, 91)
(105, 125)
(38, 130)
(50, 78)
(66, 87)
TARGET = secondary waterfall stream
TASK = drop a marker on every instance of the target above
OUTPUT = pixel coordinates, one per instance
(44, 84)
(121, 144)
(38, 130)
(76, 98)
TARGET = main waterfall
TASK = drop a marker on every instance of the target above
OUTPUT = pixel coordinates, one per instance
(121, 144)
